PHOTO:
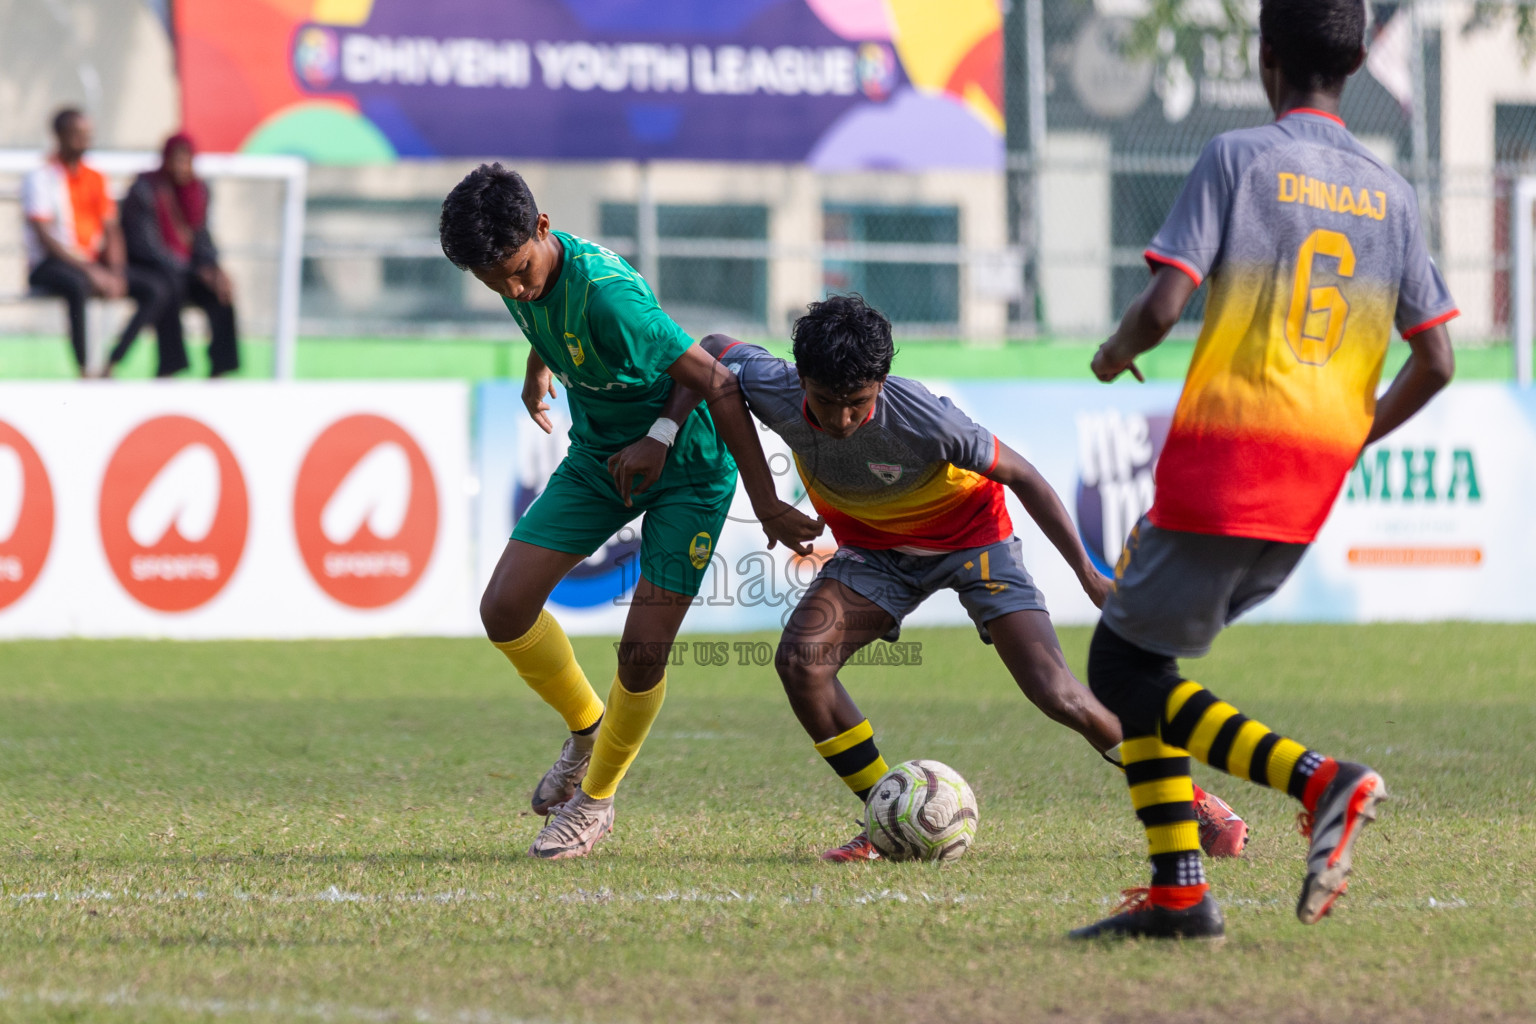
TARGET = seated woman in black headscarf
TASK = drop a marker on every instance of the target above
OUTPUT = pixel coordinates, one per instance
(165, 223)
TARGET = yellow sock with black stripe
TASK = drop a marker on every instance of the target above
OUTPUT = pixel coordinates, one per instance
(544, 658)
(624, 729)
(1218, 734)
(1163, 794)
(855, 758)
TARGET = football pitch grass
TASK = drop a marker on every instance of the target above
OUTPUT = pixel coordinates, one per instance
(336, 831)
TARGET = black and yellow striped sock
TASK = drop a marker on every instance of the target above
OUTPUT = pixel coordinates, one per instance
(1163, 794)
(855, 758)
(1225, 738)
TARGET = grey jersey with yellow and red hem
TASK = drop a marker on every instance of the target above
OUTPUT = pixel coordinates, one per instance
(912, 476)
(1313, 249)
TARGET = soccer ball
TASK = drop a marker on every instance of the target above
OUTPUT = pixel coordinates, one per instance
(921, 810)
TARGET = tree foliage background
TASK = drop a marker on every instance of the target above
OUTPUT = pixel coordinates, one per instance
(1167, 24)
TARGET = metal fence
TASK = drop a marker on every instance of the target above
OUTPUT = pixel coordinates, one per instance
(930, 250)
(1104, 115)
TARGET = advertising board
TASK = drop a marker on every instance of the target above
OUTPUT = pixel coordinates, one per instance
(234, 510)
(1432, 524)
(335, 510)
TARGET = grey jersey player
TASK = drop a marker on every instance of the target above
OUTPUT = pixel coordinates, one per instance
(913, 490)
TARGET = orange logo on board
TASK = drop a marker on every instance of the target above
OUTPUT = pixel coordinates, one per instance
(173, 513)
(26, 514)
(365, 511)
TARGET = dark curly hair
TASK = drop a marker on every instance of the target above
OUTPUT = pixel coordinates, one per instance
(843, 343)
(487, 217)
(1315, 42)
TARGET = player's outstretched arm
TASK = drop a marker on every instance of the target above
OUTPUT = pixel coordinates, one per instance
(784, 524)
(1430, 365)
(1148, 319)
(1014, 472)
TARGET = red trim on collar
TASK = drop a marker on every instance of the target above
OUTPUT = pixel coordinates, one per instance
(806, 412)
(729, 347)
(1335, 118)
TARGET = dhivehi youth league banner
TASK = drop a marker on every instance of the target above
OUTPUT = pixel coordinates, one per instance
(840, 84)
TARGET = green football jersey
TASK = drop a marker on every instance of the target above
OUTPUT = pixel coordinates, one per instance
(602, 333)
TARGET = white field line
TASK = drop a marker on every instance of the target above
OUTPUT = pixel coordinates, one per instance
(333, 894)
(814, 897)
(124, 999)
(1355, 900)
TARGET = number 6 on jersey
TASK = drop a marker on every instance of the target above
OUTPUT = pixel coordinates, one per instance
(1314, 325)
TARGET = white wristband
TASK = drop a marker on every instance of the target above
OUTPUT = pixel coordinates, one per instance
(663, 430)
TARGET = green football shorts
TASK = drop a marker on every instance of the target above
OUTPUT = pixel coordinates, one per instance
(580, 509)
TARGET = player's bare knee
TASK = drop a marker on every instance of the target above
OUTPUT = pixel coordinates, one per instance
(503, 615)
(1053, 690)
(1071, 703)
(803, 666)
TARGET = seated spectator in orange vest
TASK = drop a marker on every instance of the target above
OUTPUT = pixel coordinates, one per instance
(75, 246)
(165, 220)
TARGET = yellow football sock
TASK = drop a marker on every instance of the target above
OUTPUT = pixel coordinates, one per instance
(624, 728)
(543, 657)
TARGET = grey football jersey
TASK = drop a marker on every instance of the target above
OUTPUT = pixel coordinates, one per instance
(1313, 250)
(913, 475)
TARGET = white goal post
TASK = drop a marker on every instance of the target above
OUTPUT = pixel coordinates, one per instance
(1522, 268)
(291, 171)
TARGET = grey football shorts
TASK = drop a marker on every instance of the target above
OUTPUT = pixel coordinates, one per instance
(991, 580)
(1175, 591)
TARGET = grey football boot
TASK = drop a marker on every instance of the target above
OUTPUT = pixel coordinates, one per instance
(1343, 811)
(559, 783)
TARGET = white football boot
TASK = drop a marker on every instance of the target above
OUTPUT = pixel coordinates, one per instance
(576, 827)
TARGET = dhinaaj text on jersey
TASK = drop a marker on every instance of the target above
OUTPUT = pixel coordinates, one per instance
(1327, 195)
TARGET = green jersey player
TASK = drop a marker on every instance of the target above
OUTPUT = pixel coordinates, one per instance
(594, 323)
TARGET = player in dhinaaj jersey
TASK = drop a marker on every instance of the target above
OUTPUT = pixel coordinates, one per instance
(1312, 250)
(594, 323)
(913, 490)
